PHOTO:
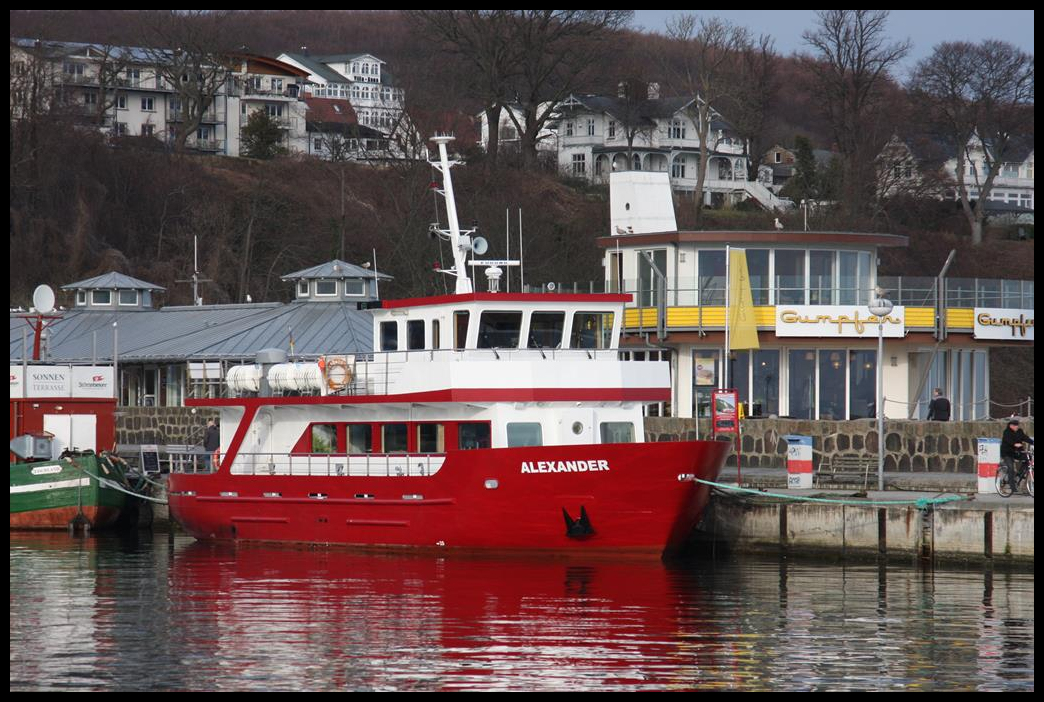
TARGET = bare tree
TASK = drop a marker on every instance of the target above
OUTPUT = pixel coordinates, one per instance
(554, 50)
(709, 51)
(755, 93)
(851, 64)
(189, 49)
(976, 97)
(479, 38)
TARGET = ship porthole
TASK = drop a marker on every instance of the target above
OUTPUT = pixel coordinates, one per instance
(578, 428)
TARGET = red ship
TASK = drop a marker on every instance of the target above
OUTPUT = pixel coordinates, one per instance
(481, 421)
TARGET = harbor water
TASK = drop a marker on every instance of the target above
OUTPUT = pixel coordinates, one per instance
(151, 613)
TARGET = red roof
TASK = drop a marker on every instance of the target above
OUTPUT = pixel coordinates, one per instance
(330, 111)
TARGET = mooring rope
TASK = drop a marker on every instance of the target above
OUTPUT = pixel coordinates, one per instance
(920, 503)
(105, 482)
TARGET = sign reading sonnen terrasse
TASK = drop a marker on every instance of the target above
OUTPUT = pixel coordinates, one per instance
(839, 321)
(1006, 324)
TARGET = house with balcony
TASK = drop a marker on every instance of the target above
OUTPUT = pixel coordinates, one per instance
(818, 341)
(362, 79)
(277, 88)
(1012, 191)
(599, 135)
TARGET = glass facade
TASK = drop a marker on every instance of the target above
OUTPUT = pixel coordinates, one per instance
(832, 369)
(802, 385)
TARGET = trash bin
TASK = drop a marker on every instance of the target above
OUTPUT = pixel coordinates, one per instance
(799, 461)
(989, 461)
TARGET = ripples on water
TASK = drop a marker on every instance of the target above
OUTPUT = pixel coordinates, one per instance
(101, 613)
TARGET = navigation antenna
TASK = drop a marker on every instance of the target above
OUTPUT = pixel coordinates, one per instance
(460, 241)
(195, 279)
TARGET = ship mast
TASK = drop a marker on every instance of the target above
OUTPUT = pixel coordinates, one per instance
(460, 242)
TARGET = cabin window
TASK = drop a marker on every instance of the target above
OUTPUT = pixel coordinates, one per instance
(360, 438)
(435, 340)
(128, 297)
(592, 330)
(81, 297)
(324, 438)
(524, 434)
(545, 330)
(431, 438)
(460, 329)
(473, 435)
(326, 287)
(302, 289)
(415, 334)
(101, 297)
(499, 330)
(617, 432)
(354, 287)
(394, 438)
(389, 336)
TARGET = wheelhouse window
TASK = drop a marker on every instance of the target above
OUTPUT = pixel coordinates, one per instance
(389, 336)
(545, 330)
(360, 438)
(524, 434)
(617, 432)
(592, 330)
(431, 438)
(473, 435)
(460, 329)
(499, 330)
(415, 334)
(394, 438)
(324, 438)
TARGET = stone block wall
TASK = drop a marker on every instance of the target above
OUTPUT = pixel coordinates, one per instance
(911, 446)
(162, 425)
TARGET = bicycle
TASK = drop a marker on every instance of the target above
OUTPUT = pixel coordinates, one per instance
(1023, 467)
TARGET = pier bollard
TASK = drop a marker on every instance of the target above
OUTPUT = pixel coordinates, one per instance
(989, 461)
(799, 461)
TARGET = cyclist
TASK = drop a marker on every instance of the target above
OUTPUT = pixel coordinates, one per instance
(1013, 446)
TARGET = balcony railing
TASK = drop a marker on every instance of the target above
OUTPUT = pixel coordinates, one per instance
(910, 291)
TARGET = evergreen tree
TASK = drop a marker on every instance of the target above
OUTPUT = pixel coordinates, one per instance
(261, 137)
(804, 185)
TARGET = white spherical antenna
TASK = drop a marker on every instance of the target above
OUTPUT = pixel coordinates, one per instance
(479, 245)
(43, 299)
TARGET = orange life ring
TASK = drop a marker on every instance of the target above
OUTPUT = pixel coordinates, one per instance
(338, 375)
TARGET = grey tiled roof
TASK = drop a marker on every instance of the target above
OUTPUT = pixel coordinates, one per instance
(111, 281)
(212, 332)
(335, 269)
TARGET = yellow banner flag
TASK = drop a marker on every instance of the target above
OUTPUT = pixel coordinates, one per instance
(743, 329)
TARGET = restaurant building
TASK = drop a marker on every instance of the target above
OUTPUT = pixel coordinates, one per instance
(818, 341)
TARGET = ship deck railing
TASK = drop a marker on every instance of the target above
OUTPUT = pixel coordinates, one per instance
(392, 465)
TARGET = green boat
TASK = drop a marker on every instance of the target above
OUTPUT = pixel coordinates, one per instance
(78, 489)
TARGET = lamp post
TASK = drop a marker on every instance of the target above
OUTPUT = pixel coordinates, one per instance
(880, 307)
(804, 206)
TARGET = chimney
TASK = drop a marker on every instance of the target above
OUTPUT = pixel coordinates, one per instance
(654, 91)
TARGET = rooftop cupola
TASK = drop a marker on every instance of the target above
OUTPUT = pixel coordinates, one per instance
(337, 281)
(113, 291)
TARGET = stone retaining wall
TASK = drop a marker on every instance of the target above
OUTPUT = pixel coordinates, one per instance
(161, 425)
(910, 445)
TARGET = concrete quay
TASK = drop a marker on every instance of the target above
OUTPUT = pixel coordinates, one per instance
(982, 529)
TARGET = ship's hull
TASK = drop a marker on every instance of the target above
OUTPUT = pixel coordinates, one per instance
(625, 497)
(53, 494)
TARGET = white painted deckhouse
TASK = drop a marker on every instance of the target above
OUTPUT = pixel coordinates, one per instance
(818, 341)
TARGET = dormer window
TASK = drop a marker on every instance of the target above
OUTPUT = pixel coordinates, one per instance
(326, 288)
(354, 287)
(101, 297)
(81, 298)
(128, 297)
(302, 289)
